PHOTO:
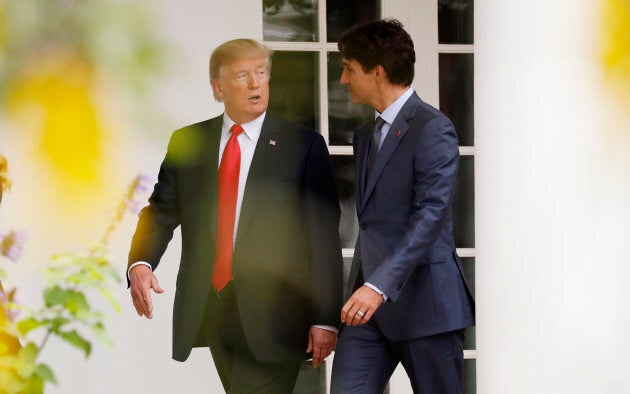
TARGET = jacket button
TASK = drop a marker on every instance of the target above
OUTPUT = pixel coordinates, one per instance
(363, 226)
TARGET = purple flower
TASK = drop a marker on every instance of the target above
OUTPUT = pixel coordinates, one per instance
(140, 185)
(133, 206)
(12, 244)
(143, 183)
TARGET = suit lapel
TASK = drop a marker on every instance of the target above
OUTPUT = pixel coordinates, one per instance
(209, 171)
(269, 140)
(395, 135)
(362, 150)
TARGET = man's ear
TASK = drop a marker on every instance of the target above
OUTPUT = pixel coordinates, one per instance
(216, 88)
(379, 73)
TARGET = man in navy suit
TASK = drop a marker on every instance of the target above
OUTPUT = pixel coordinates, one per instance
(283, 293)
(407, 299)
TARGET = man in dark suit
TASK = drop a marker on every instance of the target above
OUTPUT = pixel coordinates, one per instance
(259, 280)
(408, 300)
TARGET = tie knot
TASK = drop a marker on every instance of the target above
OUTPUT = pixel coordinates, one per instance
(378, 124)
(236, 129)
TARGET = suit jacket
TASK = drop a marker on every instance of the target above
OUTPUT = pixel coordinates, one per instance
(405, 245)
(287, 255)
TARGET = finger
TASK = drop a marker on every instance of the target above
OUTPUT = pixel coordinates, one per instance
(350, 312)
(155, 285)
(138, 301)
(135, 305)
(317, 359)
(344, 312)
(358, 318)
(146, 297)
(309, 348)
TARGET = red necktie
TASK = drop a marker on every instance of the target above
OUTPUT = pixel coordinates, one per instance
(228, 192)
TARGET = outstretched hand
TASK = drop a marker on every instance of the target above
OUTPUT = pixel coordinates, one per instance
(142, 280)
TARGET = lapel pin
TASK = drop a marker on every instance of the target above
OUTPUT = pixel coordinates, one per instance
(272, 142)
(398, 133)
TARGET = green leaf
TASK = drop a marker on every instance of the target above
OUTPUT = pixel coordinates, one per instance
(25, 363)
(35, 385)
(111, 298)
(102, 335)
(56, 323)
(73, 338)
(10, 382)
(74, 301)
(45, 373)
(25, 326)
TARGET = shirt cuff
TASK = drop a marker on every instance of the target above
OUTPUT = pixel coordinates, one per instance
(138, 263)
(329, 328)
(376, 289)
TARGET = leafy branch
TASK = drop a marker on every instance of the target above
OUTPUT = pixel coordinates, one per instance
(67, 313)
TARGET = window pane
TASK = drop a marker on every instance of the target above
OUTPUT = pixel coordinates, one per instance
(311, 380)
(343, 116)
(470, 378)
(456, 93)
(470, 343)
(344, 177)
(290, 20)
(343, 14)
(347, 263)
(464, 204)
(455, 21)
(293, 87)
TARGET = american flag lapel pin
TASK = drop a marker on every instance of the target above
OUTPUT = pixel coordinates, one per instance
(398, 133)
(272, 142)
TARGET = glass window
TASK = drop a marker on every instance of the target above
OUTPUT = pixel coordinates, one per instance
(464, 204)
(455, 21)
(343, 116)
(470, 342)
(294, 92)
(470, 376)
(341, 15)
(344, 176)
(456, 93)
(311, 380)
(290, 20)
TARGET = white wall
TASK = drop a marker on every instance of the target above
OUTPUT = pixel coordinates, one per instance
(553, 202)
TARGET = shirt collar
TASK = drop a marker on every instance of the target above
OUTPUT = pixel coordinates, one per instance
(250, 129)
(390, 113)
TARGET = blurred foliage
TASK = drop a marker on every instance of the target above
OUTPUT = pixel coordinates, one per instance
(5, 183)
(73, 280)
(616, 53)
(110, 38)
(64, 66)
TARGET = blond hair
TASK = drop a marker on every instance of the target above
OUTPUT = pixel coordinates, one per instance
(234, 50)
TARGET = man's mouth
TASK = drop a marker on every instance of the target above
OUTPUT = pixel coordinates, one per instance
(254, 98)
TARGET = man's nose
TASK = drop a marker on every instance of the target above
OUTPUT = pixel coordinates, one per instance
(253, 81)
(343, 79)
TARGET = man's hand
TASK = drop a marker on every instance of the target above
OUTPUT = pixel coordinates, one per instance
(321, 343)
(142, 280)
(361, 306)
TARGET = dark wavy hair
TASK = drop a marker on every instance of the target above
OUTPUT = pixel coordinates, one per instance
(383, 42)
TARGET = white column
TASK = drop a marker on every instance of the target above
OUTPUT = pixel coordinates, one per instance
(552, 203)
